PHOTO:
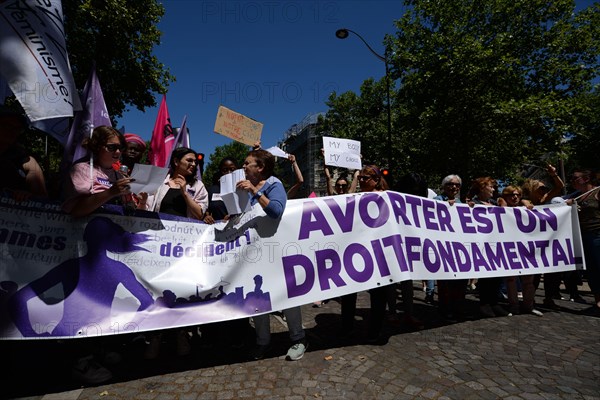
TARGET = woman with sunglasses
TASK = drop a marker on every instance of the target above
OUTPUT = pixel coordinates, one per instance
(341, 184)
(370, 179)
(512, 196)
(451, 292)
(86, 191)
(536, 192)
(482, 193)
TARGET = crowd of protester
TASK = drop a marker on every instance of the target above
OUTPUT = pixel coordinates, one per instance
(185, 195)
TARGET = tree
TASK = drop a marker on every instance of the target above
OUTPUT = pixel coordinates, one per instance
(119, 35)
(489, 85)
(483, 87)
(236, 150)
(361, 117)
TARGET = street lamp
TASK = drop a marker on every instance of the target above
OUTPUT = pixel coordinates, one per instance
(343, 34)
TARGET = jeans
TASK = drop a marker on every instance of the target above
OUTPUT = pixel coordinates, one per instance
(429, 287)
(262, 325)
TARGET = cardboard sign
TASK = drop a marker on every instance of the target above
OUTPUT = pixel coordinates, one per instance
(237, 126)
(343, 153)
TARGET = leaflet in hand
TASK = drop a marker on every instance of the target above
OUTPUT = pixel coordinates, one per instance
(147, 178)
(236, 200)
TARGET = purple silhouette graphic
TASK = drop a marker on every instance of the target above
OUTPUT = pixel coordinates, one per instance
(88, 283)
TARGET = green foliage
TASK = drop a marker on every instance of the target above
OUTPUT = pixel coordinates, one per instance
(119, 35)
(484, 86)
(236, 150)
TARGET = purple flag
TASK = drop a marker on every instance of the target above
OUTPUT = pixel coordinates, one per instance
(93, 114)
(182, 139)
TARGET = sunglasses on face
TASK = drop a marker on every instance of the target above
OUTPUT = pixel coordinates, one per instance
(364, 178)
(341, 185)
(453, 184)
(111, 148)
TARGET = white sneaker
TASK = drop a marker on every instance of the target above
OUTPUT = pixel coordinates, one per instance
(87, 370)
(297, 351)
(537, 313)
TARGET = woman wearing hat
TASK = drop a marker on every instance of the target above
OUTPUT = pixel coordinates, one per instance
(134, 150)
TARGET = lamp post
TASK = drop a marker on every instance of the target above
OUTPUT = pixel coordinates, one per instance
(343, 34)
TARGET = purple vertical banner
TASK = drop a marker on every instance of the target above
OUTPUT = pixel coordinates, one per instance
(93, 114)
(182, 139)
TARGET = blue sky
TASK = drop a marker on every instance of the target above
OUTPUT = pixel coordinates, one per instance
(273, 61)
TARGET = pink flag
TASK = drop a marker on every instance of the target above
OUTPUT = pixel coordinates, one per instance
(162, 140)
(94, 114)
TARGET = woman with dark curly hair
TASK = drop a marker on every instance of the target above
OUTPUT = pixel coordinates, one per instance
(182, 193)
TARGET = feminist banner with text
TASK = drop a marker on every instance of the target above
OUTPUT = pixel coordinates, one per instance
(34, 59)
(109, 274)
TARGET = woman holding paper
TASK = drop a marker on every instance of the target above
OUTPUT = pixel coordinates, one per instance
(98, 182)
(262, 186)
(182, 193)
(268, 191)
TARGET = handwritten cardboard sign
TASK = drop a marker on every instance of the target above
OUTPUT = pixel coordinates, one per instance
(237, 126)
(343, 153)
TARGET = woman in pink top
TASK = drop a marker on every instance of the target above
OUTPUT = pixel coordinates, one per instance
(97, 181)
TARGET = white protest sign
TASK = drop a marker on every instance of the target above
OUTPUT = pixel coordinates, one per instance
(343, 153)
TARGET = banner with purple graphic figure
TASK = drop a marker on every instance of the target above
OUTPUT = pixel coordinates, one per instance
(110, 274)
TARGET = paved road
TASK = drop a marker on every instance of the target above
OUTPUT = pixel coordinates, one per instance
(556, 356)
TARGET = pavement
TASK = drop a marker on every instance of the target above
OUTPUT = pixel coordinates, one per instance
(556, 356)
